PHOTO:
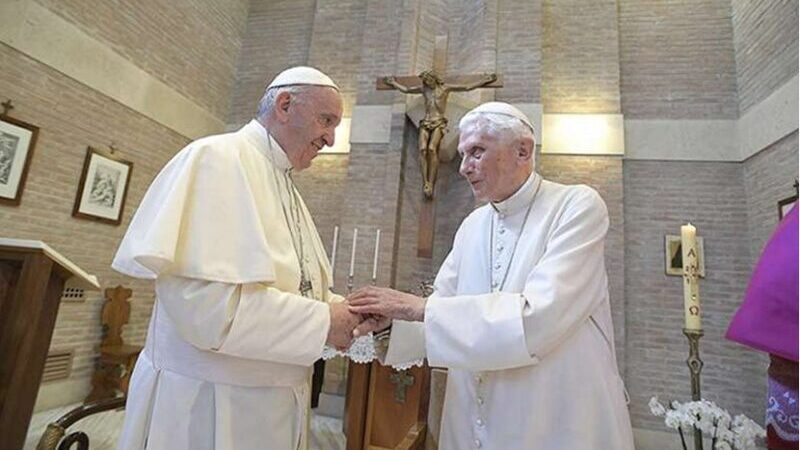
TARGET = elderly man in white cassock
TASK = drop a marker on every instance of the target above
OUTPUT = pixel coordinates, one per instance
(243, 306)
(520, 313)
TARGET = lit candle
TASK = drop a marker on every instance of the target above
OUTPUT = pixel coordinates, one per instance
(333, 252)
(375, 258)
(353, 253)
(691, 292)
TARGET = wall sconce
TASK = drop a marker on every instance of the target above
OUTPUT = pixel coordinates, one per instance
(583, 134)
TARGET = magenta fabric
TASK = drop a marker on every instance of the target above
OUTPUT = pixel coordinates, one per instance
(767, 319)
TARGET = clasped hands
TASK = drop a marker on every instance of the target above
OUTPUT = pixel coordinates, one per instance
(371, 309)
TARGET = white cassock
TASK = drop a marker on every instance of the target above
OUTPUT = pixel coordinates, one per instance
(228, 356)
(531, 360)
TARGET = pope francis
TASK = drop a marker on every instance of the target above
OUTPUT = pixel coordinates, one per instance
(243, 306)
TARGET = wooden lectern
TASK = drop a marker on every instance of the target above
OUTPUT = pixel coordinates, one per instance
(386, 409)
(32, 277)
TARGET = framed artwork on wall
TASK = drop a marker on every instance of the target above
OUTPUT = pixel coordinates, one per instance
(103, 187)
(785, 205)
(673, 256)
(17, 141)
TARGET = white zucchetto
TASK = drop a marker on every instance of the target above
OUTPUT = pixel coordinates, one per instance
(501, 108)
(302, 75)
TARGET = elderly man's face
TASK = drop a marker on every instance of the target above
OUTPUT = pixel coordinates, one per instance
(490, 162)
(311, 123)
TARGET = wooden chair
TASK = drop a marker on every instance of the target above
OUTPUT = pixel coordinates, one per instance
(114, 368)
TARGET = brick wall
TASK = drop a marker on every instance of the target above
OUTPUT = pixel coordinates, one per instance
(189, 45)
(336, 43)
(768, 177)
(519, 51)
(278, 36)
(765, 39)
(677, 60)
(580, 72)
(659, 197)
(72, 117)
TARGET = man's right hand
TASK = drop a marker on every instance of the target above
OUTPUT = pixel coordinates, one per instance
(340, 334)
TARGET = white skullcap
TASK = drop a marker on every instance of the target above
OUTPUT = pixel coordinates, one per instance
(501, 108)
(302, 75)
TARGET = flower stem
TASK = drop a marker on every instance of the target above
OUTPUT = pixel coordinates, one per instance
(683, 441)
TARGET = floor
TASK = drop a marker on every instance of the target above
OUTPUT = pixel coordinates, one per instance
(103, 428)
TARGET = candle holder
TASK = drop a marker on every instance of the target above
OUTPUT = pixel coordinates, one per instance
(695, 367)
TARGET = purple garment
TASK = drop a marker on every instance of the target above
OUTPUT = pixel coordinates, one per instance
(767, 319)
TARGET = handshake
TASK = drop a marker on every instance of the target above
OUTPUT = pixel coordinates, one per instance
(371, 309)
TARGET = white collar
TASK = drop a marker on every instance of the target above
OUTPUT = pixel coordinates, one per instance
(520, 199)
(266, 144)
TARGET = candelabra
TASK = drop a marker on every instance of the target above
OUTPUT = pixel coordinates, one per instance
(695, 367)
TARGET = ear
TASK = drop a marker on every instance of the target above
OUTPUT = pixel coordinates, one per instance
(282, 105)
(525, 150)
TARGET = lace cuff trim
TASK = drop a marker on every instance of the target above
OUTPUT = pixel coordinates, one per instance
(362, 351)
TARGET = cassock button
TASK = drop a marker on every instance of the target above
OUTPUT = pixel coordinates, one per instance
(497, 266)
(480, 401)
(500, 248)
(479, 422)
(477, 443)
(501, 230)
(478, 379)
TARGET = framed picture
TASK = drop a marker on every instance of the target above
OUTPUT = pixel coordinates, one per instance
(786, 205)
(673, 256)
(17, 141)
(103, 187)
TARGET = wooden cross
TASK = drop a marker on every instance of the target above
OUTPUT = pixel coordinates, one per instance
(435, 88)
(116, 312)
(402, 380)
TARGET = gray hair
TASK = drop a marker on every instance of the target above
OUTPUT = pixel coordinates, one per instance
(267, 102)
(497, 123)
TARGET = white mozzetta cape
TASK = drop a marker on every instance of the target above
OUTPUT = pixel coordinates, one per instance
(531, 366)
(227, 360)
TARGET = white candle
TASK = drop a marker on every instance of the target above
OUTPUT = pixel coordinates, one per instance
(375, 258)
(691, 292)
(333, 251)
(353, 253)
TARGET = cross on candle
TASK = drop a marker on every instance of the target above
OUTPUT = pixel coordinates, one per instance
(691, 292)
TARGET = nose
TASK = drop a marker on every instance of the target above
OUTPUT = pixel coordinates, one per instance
(329, 137)
(465, 168)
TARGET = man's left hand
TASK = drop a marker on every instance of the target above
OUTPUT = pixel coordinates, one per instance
(387, 303)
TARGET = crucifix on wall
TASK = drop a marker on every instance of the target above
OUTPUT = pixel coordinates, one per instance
(435, 89)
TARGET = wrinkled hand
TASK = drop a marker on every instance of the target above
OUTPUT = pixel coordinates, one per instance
(389, 80)
(343, 322)
(491, 77)
(387, 303)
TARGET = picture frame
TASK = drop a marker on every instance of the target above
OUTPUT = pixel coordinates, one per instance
(673, 256)
(17, 142)
(103, 187)
(785, 205)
